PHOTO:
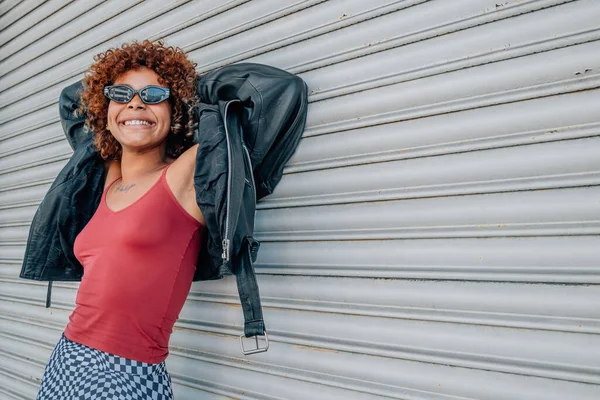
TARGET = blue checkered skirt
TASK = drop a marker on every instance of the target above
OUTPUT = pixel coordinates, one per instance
(78, 372)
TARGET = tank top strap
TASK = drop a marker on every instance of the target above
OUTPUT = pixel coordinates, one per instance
(164, 171)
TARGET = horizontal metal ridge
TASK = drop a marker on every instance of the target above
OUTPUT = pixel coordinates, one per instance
(37, 162)
(5, 7)
(525, 138)
(51, 140)
(484, 318)
(14, 11)
(191, 19)
(555, 181)
(579, 83)
(560, 181)
(470, 61)
(507, 273)
(315, 31)
(489, 15)
(432, 314)
(19, 299)
(483, 143)
(96, 40)
(478, 101)
(43, 21)
(196, 19)
(103, 13)
(8, 206)
(488, 362)
(473, 361)
(444, 148)
(557, 43)
(451, 231)
(25, 341)
(8, 394)
(51, 103)
(337, 381)
(247, 25)
(26, 185)
(134, 24)
(30, 381)
(257, 366)
(230, 392)
(54, 119)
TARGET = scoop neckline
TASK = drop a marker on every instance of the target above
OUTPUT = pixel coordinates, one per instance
(155, 184)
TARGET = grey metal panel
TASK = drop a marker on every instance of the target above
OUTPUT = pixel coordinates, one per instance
(325, 18)
(435, 236)
(505, 39)
(429, 20)
(527, 213)
(539, 166)
(539, 75)
(298, 342)
(6, 5)
(30, 23)
(38, 137)
(41, 174)
(555, 118)
(13, 10)
(26, 193)
(552, 259)
(74, 58)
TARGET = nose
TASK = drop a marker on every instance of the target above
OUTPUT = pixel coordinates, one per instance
(136, 103)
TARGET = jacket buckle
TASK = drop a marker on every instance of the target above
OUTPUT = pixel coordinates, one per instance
(257, 349)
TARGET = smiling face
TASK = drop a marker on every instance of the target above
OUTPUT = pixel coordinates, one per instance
(135, 125)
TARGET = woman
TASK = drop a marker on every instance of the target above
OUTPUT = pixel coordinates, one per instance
(139, 249)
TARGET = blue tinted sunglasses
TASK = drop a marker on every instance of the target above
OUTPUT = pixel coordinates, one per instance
(124, 93)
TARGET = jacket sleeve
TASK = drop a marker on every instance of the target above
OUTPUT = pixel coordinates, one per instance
(273, 116)
(72, 120)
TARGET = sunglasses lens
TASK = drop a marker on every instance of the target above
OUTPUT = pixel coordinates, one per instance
(120, 94)
(153, 95)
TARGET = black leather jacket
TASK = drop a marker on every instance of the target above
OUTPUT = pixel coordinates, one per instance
(250, 120)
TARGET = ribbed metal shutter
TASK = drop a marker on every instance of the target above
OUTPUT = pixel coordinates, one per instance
(435, 235)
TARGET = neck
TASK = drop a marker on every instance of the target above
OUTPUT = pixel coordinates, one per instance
(138, 165)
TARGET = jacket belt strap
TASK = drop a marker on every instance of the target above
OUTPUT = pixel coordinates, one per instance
(49, 294)
(248, 290)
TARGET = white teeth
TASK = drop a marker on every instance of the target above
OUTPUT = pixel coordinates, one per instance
(137, 122)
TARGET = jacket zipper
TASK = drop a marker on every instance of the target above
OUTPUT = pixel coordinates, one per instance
(251, 171)
(226, 242)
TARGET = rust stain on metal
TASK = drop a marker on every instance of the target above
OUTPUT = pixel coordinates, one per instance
(320, 349)
(222, 335)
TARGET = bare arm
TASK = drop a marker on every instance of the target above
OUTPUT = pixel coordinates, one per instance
(180, 178)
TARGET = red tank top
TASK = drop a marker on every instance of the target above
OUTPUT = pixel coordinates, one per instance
(138, 267)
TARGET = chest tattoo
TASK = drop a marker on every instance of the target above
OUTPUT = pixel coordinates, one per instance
(124, 188)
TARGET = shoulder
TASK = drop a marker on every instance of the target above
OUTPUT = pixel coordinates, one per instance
(113, 171)
(181, 170)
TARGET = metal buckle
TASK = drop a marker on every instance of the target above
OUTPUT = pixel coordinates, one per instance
(258, 349)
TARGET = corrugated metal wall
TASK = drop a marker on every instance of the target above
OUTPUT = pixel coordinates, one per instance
(434, 237)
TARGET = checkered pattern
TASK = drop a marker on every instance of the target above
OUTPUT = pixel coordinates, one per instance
(78, 372)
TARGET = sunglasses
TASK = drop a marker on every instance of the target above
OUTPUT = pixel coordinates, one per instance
(124, 93)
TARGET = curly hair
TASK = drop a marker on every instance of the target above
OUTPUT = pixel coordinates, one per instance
(175, 71)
